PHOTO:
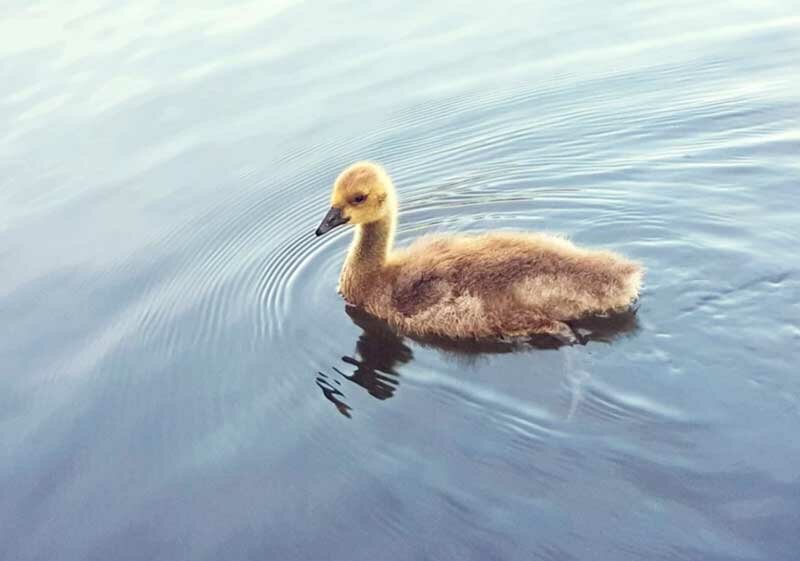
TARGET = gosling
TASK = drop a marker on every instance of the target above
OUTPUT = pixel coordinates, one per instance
(497, 285)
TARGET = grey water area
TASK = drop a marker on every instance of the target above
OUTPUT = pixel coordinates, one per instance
(179, 379)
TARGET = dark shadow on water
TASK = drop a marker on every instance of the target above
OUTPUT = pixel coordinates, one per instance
(381, 349)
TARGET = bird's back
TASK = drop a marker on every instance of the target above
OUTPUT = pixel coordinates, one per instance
(524, 270)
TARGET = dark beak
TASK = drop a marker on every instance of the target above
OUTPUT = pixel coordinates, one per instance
(333, 219)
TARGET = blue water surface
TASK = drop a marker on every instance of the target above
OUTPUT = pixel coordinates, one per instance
(179, 379)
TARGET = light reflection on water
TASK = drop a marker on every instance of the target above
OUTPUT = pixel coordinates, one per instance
(180, 379)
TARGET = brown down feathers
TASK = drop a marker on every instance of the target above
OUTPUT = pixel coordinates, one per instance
(493, 285)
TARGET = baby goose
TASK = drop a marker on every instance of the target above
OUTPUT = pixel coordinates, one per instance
(493, 285)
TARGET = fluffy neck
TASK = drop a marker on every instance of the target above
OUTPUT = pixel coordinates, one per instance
(371, 245)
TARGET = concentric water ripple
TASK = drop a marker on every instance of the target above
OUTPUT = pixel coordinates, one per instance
(181, 380)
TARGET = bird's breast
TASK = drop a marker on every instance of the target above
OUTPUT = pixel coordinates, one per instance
(359, 287)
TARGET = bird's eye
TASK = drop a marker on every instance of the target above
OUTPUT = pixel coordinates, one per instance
(359, 199)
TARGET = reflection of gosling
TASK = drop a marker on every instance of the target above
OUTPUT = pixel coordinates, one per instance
(499, 284)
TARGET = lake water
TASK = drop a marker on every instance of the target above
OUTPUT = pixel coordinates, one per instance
(179, 379)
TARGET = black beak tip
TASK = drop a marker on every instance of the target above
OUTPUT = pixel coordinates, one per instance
(333, 219)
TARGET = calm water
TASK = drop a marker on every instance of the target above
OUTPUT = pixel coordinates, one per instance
(180, 381)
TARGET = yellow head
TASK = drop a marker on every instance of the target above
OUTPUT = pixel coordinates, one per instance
(362, 194)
